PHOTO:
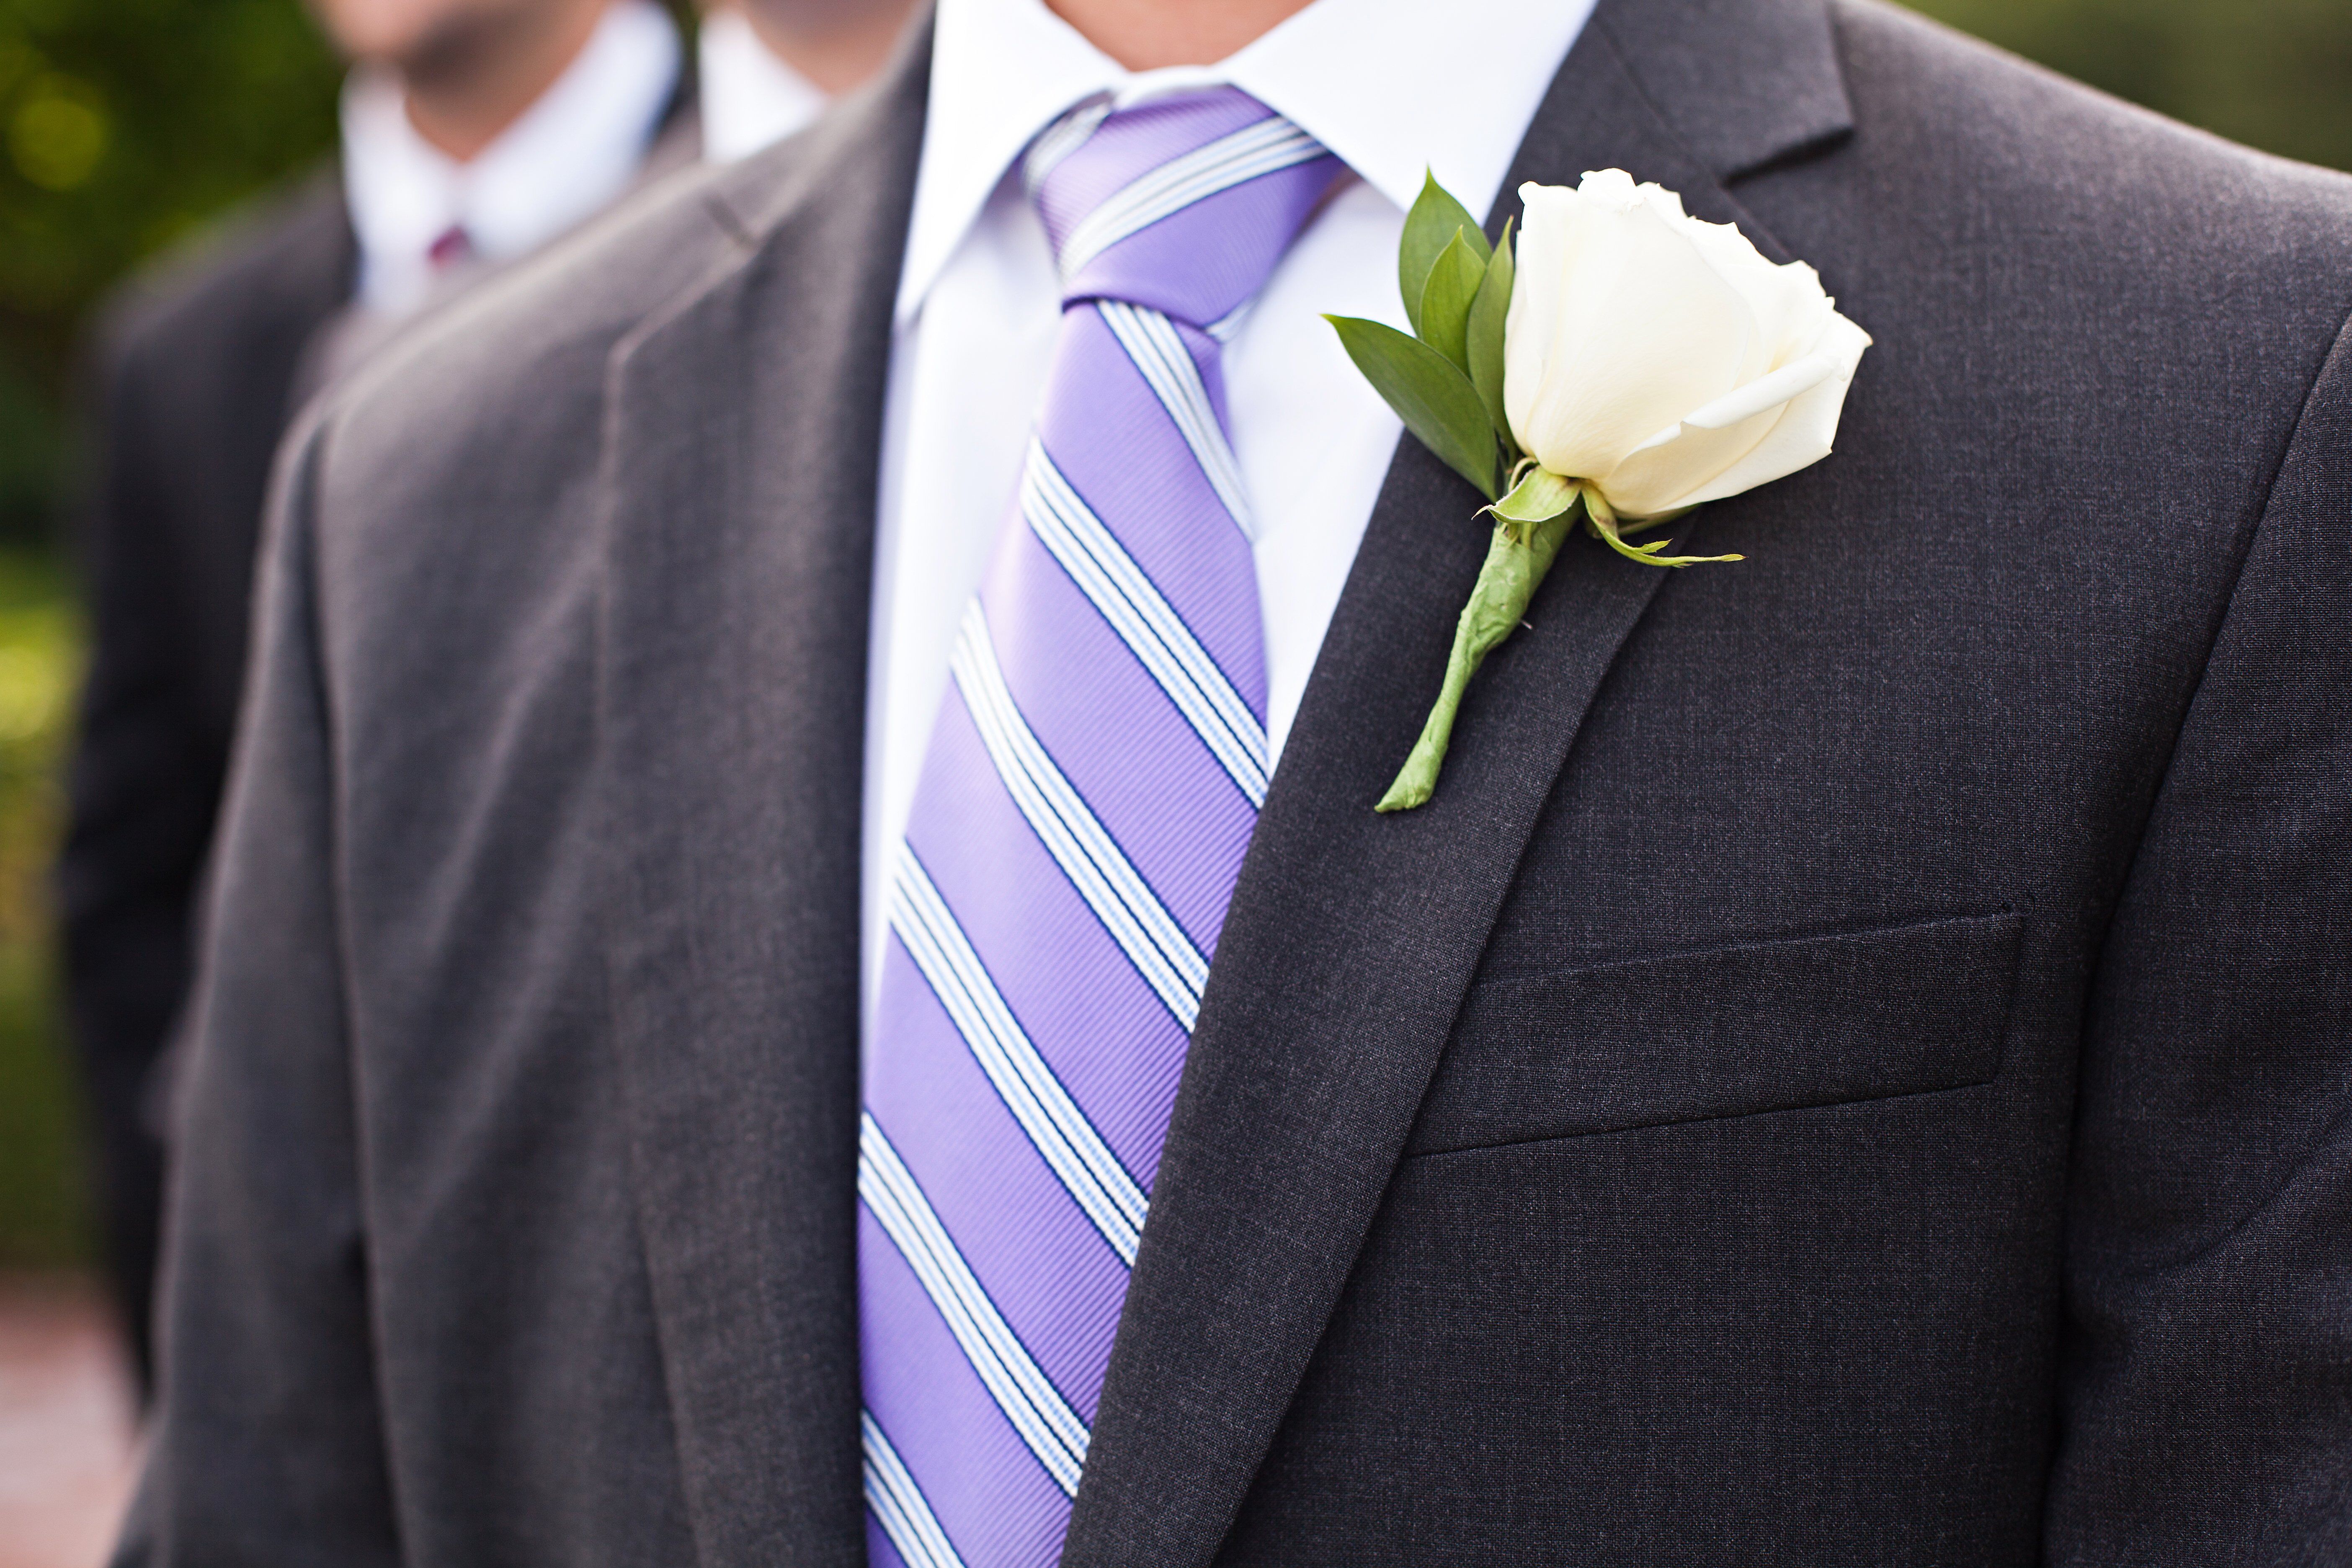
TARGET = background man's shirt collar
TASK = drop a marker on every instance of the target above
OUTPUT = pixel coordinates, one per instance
(1379, 82)
(569, 154)
(750, 96)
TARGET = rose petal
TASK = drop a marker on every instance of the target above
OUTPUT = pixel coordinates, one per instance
(1787, 300)
(1663, 359)
(1641, 331)
(1765, 392)
(1546, 238)
(1806, 429)
(1682, 459)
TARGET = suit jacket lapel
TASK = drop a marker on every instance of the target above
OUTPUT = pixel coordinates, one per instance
(738, 514)
(1352, 938)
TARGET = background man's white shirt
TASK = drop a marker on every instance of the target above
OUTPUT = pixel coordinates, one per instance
(568, 156)
(750, 98)
(979, 303)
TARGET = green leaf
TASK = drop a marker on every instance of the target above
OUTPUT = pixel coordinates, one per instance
(1445, 300)
(1429, 228)
(1538, 498)
(1435, 401)
(1517, 562)
(1484, 336)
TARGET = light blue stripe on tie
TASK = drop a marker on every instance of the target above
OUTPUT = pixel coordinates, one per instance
(1256, 150)
(1065, 1139)
(1146, 621)
(1150, 936)
(906, 1515)
(1167, 366)
(1036, 1409)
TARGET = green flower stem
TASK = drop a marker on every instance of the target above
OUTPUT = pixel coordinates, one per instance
(1516, 560)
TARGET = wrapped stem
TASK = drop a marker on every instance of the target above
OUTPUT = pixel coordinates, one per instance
(1518, 556)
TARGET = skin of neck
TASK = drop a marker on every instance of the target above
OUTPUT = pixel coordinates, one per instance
(468, 80)
(836, 44)
(1145, 35)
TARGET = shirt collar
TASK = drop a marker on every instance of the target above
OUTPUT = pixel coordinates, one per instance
(569, 154)
(751, 96)
(1383, 83)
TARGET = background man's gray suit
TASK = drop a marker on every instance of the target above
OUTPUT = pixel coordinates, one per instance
(1852, 1067)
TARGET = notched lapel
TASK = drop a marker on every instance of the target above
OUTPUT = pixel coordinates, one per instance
(1352, 938)
(738, 513)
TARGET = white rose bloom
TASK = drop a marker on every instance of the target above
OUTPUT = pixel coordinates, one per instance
(1662, 359)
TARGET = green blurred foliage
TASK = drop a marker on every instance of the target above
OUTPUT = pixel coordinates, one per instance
(43, 1208)
(126, 124)
(2275, 74)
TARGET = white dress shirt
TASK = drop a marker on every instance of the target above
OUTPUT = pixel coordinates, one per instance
(1393, 87)
(567, 156)
(750, 96)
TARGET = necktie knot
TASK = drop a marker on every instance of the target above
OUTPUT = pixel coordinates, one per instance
(1183, 205)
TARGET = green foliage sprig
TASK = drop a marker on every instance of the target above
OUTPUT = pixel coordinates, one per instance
(1445, 380)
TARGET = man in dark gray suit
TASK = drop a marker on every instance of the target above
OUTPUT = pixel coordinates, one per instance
(200, 371)
(203, 366)
(1851, 1066)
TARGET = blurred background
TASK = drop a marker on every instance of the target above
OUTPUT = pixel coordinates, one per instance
(124, 126)
(128, 125)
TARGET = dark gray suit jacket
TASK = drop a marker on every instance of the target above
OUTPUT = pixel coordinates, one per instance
(192, 380)
(197, 376)
(1852, 1067)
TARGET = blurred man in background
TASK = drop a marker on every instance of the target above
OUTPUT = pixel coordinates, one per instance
(474, 132)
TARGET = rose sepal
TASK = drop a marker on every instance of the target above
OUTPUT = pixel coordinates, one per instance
(1602, 521)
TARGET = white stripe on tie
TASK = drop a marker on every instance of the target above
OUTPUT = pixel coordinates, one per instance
(1033, 1404)
(1254, 151)
(1144, 619)
(1063, 1138)
(1059, 140)
(1161, 357)
(906, 1514)
(1228, 327)
(1089, 856)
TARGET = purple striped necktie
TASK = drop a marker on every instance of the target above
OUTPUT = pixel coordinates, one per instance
(1096, 770)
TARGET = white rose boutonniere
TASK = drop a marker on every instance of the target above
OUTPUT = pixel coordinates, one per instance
(1629, 362)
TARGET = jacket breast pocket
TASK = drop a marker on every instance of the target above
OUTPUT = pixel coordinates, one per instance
(1732, 1031)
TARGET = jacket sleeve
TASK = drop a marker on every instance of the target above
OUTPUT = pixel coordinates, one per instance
(2207, 1403)
(268, 1445)
(144, 784)
(141, 803)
